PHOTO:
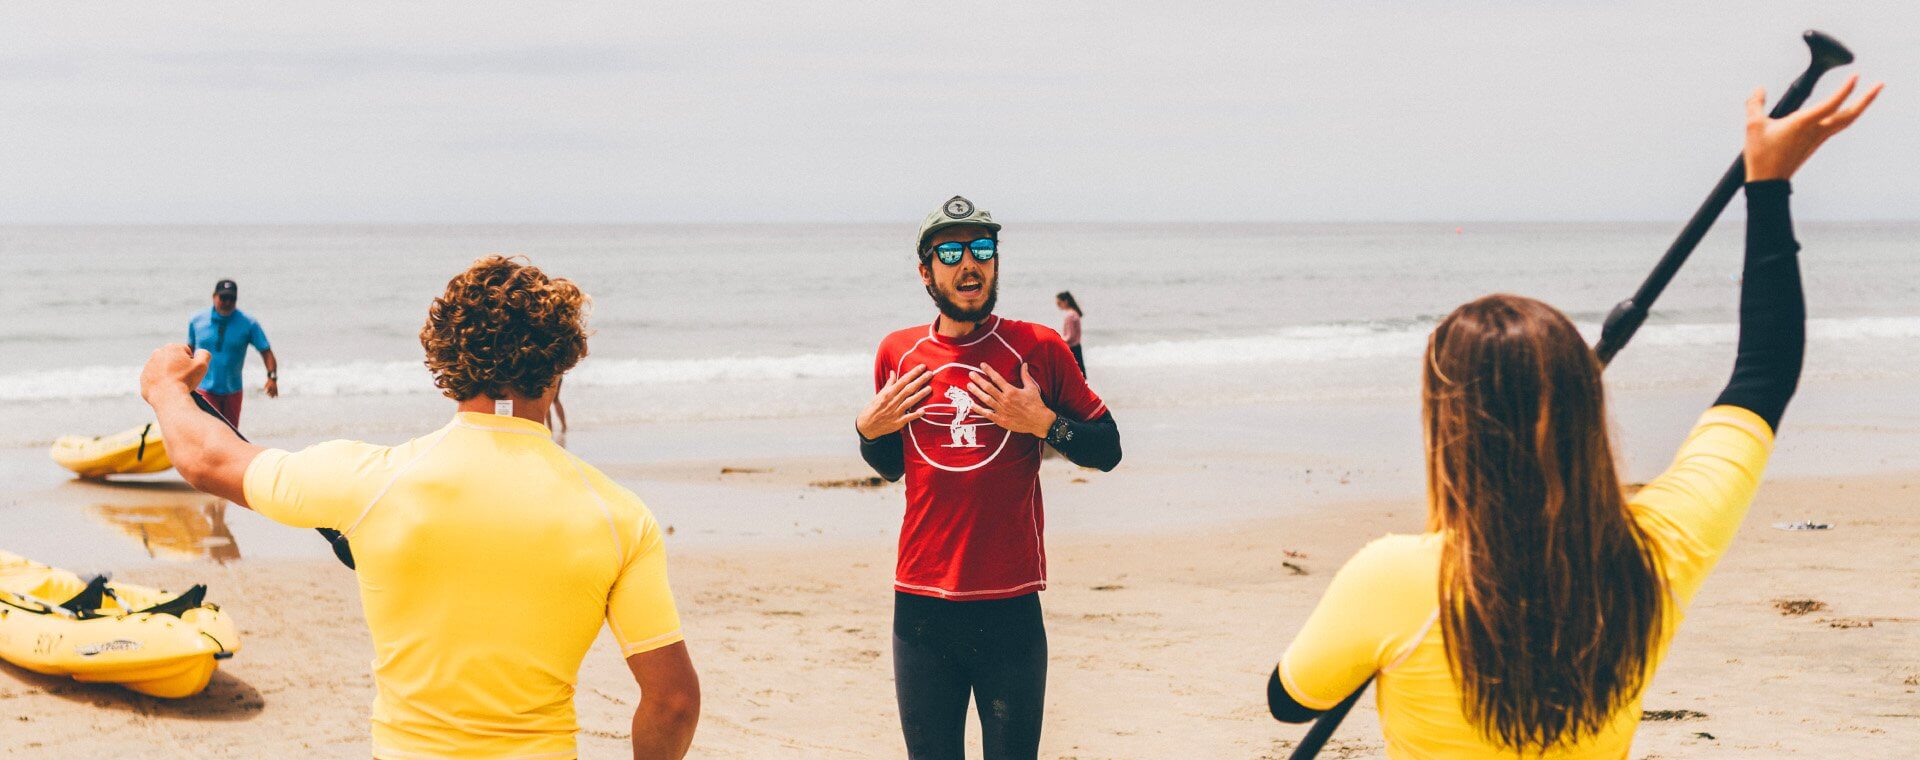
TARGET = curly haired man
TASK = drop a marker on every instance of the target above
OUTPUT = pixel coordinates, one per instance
(487, 555)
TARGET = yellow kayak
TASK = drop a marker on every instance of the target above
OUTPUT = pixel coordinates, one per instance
(132, 452)
(148, 640)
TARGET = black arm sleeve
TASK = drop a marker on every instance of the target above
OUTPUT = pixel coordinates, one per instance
(1773, 312)
(884, 455)
(1283, 706)
(1094, 443)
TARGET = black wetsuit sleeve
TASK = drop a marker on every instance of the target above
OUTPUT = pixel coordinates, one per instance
(1773, 311)
(1283, 706)
(1094, 443)
(884, 455)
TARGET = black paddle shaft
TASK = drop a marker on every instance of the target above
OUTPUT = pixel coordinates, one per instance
(341, 550)
(1626, 317)
(1323, 726)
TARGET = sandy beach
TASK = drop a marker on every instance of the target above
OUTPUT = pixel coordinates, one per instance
(1804, 644)
(1247, 219)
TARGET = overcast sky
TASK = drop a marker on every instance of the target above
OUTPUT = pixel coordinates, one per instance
(779, 111)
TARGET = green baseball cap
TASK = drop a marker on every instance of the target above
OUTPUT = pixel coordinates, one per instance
(955, 212)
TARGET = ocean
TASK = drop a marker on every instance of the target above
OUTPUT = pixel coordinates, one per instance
(748, 322)
(1287, 355)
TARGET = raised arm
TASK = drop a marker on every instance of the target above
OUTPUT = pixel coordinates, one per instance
(209, 455)
(1773, 311)
(1773, 314)
(1695, 508)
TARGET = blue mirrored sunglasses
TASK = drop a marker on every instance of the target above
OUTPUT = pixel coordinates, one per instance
(983, 250)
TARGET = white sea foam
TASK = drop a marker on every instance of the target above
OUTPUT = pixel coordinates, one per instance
(1293, 345)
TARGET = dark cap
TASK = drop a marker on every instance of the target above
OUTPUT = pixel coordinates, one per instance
(226, 288)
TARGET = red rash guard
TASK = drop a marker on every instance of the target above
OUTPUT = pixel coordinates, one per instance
(973, 522)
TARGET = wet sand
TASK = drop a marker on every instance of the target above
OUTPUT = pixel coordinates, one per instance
(1160, 641)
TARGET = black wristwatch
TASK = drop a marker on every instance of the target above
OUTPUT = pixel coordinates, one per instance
(1059, 432)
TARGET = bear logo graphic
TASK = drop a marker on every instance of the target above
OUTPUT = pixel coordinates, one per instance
(964, 436)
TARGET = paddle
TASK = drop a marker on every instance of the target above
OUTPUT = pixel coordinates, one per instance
(1627, 316)
(341, 549)
(1323, 726)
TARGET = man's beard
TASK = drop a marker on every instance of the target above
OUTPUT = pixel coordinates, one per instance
(952, 310)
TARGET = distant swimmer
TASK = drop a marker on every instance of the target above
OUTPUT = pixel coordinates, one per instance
(1529, 617)
(1071, 329)
(225, 332)
(489, 558)
(962, 410)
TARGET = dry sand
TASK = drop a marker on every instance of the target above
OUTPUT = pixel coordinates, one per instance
(1801, 645)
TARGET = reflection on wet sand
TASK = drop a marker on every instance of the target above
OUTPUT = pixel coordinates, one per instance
(184, 531)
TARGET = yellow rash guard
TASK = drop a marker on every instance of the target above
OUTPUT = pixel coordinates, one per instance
(1380, 615)
(488, 557)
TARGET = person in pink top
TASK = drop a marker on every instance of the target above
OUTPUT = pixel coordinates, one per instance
(1071, 330)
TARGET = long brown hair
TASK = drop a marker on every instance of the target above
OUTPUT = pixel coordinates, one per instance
(1551, 602)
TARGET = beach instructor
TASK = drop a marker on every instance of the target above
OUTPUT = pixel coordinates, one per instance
(962, 408)
(488, 556)
(225, 331)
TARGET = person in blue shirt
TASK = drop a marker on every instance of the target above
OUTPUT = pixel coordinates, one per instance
(225, 332)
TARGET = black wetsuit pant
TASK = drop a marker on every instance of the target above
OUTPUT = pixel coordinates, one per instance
(945, 652)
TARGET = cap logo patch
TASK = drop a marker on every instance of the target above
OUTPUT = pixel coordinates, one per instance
(959, 208)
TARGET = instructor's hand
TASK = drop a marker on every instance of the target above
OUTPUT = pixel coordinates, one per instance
(273, 388)
(1777, 147)
(1016, 408)
(894, 406)
(172, 367)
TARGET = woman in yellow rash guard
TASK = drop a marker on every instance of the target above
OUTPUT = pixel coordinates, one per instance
(488, 557)
(1527, 620)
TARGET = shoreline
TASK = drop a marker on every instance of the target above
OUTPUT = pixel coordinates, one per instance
(750, 482)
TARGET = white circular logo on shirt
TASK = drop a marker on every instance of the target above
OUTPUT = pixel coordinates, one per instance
(952, 435)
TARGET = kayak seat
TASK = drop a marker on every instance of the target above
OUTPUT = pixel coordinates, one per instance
(179, 605)
(88, 602)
